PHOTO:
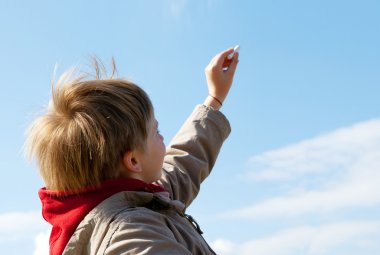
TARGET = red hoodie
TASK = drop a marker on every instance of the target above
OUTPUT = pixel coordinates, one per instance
(64, 210)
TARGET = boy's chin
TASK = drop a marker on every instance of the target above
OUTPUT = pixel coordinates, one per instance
(159, 175)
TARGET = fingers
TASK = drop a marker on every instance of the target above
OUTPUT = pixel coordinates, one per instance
(221, 57)
(220, 62)
(235, 60)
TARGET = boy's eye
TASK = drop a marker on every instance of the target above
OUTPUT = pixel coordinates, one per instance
(158, 131)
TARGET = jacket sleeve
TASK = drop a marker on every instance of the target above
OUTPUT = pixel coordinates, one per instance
(193, 152)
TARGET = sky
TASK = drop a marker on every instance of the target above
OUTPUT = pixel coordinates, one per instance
(300, 172)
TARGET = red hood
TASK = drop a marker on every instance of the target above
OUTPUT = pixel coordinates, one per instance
(64, 211)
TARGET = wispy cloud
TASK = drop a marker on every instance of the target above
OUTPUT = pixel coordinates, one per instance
(23, 227)
(308, 240)
(346, 162)
(41, 243)
(334, 151)
(177, 7)
(19, 225)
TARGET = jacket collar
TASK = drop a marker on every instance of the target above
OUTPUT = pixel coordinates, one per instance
(65, 210)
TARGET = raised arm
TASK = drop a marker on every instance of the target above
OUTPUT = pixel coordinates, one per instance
(193, 151)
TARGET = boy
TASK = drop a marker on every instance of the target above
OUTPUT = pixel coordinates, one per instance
(111, 188)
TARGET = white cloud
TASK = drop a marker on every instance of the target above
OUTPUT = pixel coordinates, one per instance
(19, 225)
(308, 240)
(334, 151)
(23, 227)
(346, 161)
(41, 242)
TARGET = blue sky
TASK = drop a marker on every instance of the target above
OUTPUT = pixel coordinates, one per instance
(299, 173)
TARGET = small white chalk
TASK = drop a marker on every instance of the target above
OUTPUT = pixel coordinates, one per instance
(236, 49)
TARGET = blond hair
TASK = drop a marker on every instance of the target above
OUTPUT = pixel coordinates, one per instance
(86, 129)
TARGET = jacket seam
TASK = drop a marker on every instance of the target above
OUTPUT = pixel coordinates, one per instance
(109, 240)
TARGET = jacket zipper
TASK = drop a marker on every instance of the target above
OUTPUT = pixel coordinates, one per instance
(195, 224)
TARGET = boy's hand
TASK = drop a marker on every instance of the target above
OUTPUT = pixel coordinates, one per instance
(219, 81)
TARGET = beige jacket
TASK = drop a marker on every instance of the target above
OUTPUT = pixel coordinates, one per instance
(155, 223)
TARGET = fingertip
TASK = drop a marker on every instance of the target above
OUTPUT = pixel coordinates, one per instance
(219, 59)
(236, 55)
(234, 63)
(227, 52)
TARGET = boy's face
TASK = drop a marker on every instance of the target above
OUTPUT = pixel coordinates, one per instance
(152, 157)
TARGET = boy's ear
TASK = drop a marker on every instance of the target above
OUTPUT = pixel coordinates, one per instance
(130, 162)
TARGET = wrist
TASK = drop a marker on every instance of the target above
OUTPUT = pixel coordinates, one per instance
(213, 102)
(216, 99)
